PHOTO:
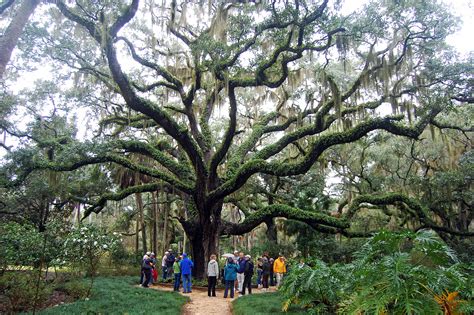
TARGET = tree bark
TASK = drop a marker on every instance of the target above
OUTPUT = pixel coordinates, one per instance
(13, 32)
(166, 209)
(271, 232)
(155, 216)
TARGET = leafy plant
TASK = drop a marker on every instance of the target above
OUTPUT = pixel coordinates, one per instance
(394, 273)
(84, 246)
(16, 288)
(319, 289)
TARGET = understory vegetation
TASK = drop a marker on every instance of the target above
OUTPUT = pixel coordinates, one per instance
(393, 273)
(120, 295)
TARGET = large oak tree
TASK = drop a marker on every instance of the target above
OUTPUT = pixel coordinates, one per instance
(294, 78)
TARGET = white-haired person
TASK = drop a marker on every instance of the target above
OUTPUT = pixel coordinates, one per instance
(142, 273)
(164, 269)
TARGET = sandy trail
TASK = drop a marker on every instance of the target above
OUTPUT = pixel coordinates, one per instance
(201, 304)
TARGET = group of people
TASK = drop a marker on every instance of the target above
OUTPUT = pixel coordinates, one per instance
(239, 270)
(237, 273)
(178, 267)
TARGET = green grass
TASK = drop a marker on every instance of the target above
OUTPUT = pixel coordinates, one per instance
(120, 295)
(262, 304)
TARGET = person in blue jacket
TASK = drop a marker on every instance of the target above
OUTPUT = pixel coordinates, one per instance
(186, 270)
(230, 274)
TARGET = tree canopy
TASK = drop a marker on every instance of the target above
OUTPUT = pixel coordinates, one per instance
(204, 100)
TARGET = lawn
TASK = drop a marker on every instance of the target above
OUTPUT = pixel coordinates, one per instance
(120, 295)
(262, 304)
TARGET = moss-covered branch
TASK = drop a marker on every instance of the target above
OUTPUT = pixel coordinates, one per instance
(147, 149)
(411, 205)
(315, 219)
(98, 205)
(258, 164)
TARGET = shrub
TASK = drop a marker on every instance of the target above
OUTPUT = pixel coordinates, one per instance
(77, 289)
(18, 292)
(19, 245)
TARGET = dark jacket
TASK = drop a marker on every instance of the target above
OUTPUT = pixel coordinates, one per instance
(186, 265)
(248, 271)
(147, 264)
(241, 263)
(266, 267)
(170, 260)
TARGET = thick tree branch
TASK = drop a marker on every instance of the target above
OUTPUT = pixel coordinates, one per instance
(279, 210)
(228, 136)
(258, 164)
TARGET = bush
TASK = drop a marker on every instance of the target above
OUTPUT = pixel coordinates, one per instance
(77, 289)
(19, 293)
(19, 245)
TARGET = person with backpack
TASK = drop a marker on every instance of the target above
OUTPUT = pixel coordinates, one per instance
(212, 275)
(186, 268)
(177, 274)
(230, 274)
(248, 273)
(142, 270)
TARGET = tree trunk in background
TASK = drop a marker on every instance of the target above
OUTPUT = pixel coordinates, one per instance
(155, 217)
(271, 230)
(137, 231)
(166, 211)
(141, 215)
(13, 32)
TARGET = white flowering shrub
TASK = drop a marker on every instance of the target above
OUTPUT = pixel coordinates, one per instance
(84, 246)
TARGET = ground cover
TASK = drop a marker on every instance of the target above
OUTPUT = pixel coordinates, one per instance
(119, 295)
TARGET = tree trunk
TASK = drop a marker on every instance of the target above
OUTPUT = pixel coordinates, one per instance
(166, 206)
(137, 236)
(155, 216)
(204, 237)
(271, 230)
(13, 32)
(204, 242)
(139, 201)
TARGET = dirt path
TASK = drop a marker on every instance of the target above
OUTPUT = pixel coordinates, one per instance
(201, 304)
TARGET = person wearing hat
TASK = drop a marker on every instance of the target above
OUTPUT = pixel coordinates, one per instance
(248, 273)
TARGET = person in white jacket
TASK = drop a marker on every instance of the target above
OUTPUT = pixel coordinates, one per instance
(212, 275)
